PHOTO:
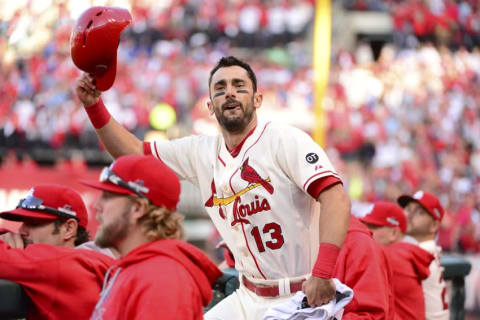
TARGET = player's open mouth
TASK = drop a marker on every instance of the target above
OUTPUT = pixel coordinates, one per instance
(232, 106)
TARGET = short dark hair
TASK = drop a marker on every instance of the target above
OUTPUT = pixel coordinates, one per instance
(232, 61)
(82, 234)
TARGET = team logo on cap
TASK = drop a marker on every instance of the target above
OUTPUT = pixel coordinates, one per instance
(436, 212)
(418, 195)
(393, 221)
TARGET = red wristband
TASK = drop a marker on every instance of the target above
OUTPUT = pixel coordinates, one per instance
(98, 114)
(326, 260)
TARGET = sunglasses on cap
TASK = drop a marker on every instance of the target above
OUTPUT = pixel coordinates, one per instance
(110, 176)
(34, 203)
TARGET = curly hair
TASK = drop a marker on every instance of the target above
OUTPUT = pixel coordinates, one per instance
(160, 223)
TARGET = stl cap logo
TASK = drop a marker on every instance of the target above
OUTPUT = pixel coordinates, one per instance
(393, 221)
(418, 195)
(436, 212)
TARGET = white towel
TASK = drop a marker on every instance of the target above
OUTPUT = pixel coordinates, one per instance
(292, 309)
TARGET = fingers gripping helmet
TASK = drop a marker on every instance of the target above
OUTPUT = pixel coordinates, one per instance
(94, 42)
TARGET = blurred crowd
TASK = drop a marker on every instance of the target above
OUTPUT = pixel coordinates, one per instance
(409, 120)
(453, 23)
(164, 57)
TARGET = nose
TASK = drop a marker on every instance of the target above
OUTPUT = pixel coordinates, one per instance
(98, 206)
(229, 92)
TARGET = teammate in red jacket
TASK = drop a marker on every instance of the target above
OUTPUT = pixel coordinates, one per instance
(158, 276)
(409, 262)
(363, 266)
(62, 282)
(424, 214)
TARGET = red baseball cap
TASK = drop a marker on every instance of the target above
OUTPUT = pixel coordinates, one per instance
(94, 42)
(145, 176)
(50, 202)
(427, 200)
(386, 214)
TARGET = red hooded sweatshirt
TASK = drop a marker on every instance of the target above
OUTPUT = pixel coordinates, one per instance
(164, 279)
(410, 267)
(363, 266)
(63, 283)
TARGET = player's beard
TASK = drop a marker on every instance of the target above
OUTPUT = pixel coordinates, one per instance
(109, 234)
(235, 124)
(418, 231)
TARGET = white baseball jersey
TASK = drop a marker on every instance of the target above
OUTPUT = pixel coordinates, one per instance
(434, 289)
(258, 200)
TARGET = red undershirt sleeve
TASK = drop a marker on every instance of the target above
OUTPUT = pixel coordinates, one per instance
(317, 186)
(147, 149)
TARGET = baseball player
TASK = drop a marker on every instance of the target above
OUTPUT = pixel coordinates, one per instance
(62, 282)
(364, 267)
(260, 183)
(157, 276)
(409, 262)
(424, 213)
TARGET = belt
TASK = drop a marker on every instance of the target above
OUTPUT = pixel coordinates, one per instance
(270, 290)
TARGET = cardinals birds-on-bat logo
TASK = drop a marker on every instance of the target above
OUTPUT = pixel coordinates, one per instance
(251, 176)
(211, 201)
(248, 174)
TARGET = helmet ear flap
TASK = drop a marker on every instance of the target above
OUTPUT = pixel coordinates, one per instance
(94, 42)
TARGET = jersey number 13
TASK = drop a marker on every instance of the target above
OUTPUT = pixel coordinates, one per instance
(276, 238)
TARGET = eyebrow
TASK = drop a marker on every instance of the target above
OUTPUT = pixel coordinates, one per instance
(224, 82)
(219, 82)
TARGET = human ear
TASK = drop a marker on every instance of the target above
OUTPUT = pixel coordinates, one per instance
(70, 228)
(257, 99)
(210, 107)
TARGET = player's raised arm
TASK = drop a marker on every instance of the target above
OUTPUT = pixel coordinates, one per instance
(93, 47)
(118, 140)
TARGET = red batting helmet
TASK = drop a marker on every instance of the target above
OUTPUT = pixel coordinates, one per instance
(94, 42)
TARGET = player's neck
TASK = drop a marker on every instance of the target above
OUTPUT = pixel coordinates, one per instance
(133, 240)
(423, 238)
(69, 244)
(234, 139)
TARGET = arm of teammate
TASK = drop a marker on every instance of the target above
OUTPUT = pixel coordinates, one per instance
(34, 263)
(334, 221)
(117, 140)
